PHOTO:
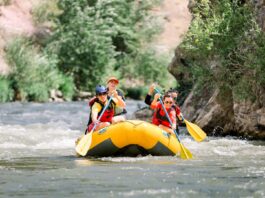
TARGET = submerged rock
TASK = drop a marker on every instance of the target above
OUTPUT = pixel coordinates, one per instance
(144, 114)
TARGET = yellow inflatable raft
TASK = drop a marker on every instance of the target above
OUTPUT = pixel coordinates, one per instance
(132, 138)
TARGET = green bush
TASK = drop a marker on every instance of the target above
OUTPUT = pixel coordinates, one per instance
(67, 87)
(6, 93)
(137, 93)
(34, 73)
(95, 37)
(151, 67)
(224, 47)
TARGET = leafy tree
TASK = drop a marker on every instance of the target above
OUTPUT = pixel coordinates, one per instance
(223, 47)
(97, 38)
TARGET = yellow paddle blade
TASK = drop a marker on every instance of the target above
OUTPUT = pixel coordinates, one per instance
(185, 153)
(83, 145)
(195, 131)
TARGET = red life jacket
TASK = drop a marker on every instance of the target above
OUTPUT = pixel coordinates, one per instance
(161, 118)
(177, 108)
(107, 115)
(94, 99)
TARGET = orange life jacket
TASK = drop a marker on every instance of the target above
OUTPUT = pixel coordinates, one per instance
(160, 116)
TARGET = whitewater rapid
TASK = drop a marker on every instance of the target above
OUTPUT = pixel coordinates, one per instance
(37, 144)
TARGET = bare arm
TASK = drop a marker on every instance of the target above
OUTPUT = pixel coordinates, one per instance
(179, 114)
(118, 100)
(155, 101)
(174, 121)
(148, 96)
(94, 114)
(151, 89)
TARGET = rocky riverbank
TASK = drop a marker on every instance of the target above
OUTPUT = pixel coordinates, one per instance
(216, 111)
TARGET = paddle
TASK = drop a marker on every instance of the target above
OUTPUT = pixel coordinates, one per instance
(84, 144)
(195, 131)
(184, 152)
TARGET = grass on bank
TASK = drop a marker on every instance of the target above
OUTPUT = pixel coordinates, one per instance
(6, 93)
(34, 74)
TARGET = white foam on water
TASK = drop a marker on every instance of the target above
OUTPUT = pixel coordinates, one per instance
(222, 167)
(11, 145)
(59, 143)
(220, 146)
(255, 170)
(248, 185)
(126, 159)
(132, 168)
(145, 192)
(57, 135)
(224, 152)
(36, 139)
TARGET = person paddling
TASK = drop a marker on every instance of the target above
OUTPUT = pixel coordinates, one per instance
(173, 93)
(160, 118)
(99, 102)
(120, 110)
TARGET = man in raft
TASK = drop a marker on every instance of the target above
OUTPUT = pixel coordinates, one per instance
(99, 103)
(120, 110)
(160, 118)
(173, 93)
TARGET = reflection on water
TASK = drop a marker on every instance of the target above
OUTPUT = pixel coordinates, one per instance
(37, 159)
(85, 162)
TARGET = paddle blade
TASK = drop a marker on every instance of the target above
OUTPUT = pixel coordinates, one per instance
(195, 131)
(83, 145)
(185, 153)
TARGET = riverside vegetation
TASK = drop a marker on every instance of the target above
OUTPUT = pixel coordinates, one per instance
(221, 59)
(224, 48)
(89, 41)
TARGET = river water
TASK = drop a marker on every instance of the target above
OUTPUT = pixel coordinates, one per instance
(37, 159)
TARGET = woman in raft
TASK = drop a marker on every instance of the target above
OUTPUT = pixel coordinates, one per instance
(160, 118)
(101, 100)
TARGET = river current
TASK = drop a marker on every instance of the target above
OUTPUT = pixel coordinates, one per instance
(37, 159)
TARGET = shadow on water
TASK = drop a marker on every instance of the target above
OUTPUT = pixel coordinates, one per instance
(71, 162)
(38, 163)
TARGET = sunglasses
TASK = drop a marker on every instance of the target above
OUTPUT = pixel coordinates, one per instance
(168, 102)
(102, 94)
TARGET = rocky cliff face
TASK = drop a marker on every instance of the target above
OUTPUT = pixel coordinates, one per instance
(218, 114)
(216, 111)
